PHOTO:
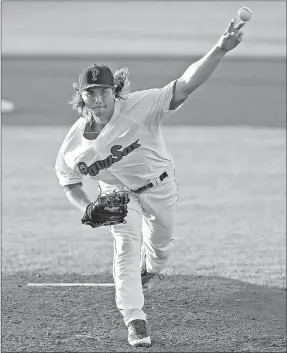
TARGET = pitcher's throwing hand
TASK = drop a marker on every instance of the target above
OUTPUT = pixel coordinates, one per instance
(231, 37)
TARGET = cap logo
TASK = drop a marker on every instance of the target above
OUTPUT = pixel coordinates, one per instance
(95, 73)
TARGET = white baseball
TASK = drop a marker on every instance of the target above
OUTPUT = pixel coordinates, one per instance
(244, 13)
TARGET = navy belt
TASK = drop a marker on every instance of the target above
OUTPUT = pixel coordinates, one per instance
(151, 184)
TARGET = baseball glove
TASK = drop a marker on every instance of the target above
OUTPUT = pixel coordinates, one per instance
(107, 210)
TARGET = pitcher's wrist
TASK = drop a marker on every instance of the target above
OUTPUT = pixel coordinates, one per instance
(221, 49)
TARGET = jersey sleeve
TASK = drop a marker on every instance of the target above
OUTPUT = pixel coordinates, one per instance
(66, 174)
(162, 99)
(151, 107)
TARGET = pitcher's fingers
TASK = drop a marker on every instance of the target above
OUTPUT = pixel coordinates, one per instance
(228, 35)
(240, 25)
(230, 26)
(240, 34)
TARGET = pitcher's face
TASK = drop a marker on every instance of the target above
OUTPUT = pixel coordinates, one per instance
(101, 100)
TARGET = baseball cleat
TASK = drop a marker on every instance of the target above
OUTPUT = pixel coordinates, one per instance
(146, 276)
(137, 334)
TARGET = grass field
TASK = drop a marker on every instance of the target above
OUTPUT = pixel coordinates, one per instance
(231, 217)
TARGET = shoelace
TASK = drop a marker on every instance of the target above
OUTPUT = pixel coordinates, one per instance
(160, 276)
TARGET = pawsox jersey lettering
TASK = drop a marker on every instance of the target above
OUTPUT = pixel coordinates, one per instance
(129, 151)
(94, 168)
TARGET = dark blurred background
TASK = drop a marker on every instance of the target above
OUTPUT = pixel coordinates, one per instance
(46, 44)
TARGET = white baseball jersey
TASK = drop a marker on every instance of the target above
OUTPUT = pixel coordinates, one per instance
(130, 150)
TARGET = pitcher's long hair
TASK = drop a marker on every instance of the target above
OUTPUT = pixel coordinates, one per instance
(122, 88)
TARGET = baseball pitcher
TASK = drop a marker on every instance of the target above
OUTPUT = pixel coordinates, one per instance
(118, 142)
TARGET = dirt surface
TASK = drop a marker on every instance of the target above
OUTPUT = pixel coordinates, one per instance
(185, 314)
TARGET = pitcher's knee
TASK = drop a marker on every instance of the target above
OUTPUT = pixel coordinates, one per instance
(156, 257)
(163, 252)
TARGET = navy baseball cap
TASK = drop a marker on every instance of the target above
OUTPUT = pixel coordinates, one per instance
(96, 75)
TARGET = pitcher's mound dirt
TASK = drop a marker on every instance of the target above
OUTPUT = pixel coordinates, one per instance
(185, 314)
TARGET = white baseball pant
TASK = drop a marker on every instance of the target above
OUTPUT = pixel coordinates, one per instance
(149, 231)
